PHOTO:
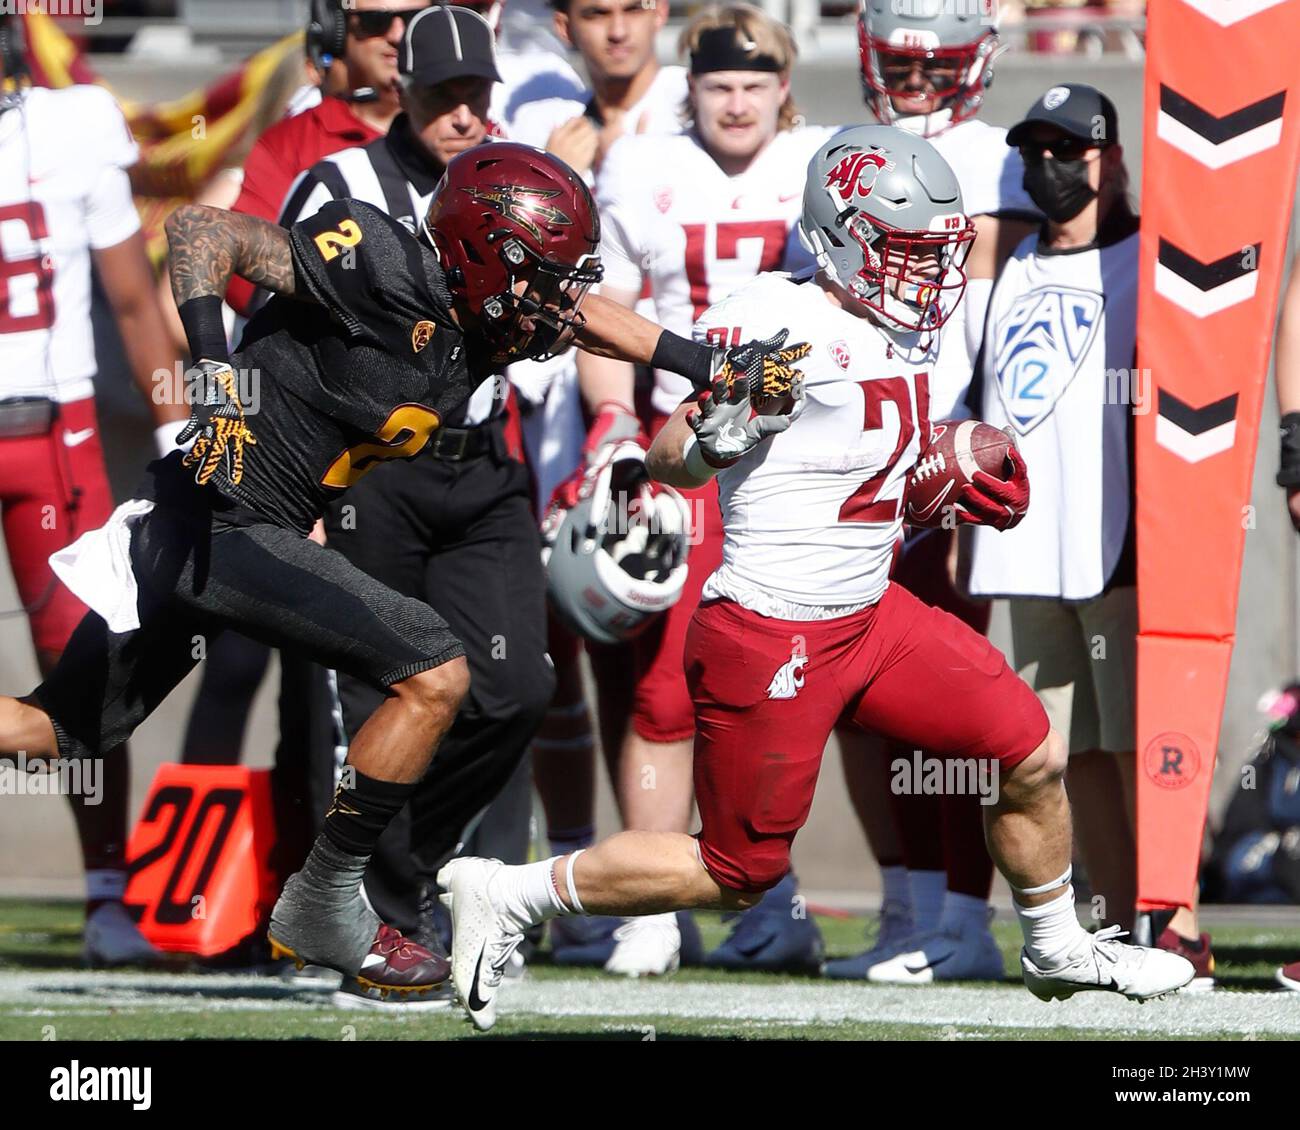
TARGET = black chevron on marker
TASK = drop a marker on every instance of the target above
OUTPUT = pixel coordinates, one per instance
(1218, 130)
(1205, 276)
(1195, 421)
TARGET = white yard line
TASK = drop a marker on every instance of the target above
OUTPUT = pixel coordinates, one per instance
(744, 1005)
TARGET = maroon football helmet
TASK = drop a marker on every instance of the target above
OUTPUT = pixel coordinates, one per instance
(517, 232)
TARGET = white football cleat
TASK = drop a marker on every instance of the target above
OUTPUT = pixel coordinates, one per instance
(112, 939)
(1102, 961)
(969, 955)
(482, 938)
(648, 946)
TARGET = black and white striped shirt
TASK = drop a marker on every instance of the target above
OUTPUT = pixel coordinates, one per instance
(396, 175)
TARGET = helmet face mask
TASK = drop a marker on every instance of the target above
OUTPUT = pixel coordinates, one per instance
(539, 312)
(517, 234)
(882, 213)
(952, 50)
(914, 279)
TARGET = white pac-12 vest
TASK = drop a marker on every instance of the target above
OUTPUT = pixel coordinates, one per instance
(1058, 373)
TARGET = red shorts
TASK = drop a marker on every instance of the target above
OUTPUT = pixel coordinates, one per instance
(53, 488)
(767, 694)
(661, 704)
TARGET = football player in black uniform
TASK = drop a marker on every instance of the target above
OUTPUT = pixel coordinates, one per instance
(374, 337)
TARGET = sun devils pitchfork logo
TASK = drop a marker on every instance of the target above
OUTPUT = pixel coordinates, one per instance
(856, 173)
(526, 206)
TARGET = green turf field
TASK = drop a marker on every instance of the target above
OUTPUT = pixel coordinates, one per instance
(45, 994)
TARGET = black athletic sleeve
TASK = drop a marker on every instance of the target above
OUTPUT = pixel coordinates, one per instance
(367, 271)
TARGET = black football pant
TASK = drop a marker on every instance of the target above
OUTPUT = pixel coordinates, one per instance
(200, 571)
(462, 537)
(302, 781)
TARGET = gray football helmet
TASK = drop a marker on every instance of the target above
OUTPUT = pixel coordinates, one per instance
(882, 212)
(614, 547)
(955, 43)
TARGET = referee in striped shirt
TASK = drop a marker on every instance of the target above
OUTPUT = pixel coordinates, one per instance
(454, 526)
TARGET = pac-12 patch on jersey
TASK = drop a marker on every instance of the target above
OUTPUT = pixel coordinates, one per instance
(1039, 347)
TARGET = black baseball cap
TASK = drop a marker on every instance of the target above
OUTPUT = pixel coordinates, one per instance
(444, 42)
(1075, 108)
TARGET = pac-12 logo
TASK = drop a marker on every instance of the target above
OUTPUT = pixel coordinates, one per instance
(1039, 345)
(855, 174)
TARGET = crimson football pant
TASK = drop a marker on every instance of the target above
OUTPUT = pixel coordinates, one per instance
(462, 536)
(944, 832)
(53, 488)
(768, 692)
(660, 708)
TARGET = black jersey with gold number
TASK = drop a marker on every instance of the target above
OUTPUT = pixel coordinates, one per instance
(360, 367)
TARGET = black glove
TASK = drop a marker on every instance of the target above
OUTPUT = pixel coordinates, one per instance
(757, 369)
(216, 425)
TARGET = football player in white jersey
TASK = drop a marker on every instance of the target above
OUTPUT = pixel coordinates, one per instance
(688, 218)
(801, 623)
(65, 200)
(924, 69)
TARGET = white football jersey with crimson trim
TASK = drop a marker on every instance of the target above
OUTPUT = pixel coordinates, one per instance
(670, 214)
(64, 192)
(990, 174)
(812, 515)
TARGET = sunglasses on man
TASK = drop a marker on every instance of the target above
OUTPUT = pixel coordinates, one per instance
(369, 24)
(1063, 148)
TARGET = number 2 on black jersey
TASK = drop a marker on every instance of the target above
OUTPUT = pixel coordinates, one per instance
(328, 243)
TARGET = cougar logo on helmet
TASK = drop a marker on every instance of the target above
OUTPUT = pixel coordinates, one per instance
(856, 174)
(523, 205)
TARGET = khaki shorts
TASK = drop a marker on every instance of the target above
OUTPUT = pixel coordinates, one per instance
(1081, 660)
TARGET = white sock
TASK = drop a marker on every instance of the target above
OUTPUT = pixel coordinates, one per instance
(896, 887)
(1051, 930)
(927, 898)
(526, 893)
(963, 914)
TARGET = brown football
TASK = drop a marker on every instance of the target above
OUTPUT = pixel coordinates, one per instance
(958, 448)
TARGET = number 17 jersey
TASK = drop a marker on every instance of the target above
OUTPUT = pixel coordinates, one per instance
(811, 516)
(674, 222)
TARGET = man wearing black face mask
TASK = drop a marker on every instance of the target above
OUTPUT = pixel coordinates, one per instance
(1069, 142)
(1058, 368)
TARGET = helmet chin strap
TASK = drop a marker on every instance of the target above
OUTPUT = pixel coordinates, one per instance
(925, 125)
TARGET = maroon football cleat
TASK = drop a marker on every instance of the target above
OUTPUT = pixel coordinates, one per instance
(1289, 976)
(396, 968)
(1196, 951)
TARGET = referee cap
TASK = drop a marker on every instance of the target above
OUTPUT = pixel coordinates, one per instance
(445, 42)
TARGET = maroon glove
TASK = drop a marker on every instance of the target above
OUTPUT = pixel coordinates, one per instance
(1000, 503)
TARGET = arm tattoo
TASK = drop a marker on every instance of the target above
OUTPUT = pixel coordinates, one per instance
(209, 245)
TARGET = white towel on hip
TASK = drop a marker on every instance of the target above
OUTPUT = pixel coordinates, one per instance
(97, 567)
